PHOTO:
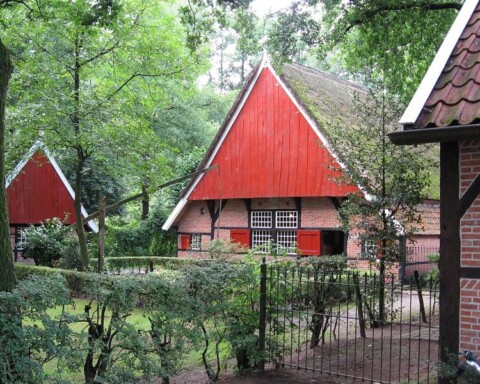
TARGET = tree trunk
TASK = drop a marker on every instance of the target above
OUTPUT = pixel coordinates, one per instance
(80, 159)
(7, 276)
(78, 213)
(102, 208)
(145, 202)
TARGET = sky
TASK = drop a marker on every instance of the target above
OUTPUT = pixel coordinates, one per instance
(262, 7)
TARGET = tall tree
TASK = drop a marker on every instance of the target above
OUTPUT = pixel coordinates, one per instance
(393, 180)
(7, 276)
(89, 67)
(232, 32)
(390, 40)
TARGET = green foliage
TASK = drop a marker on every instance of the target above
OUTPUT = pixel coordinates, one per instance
(392, 179)
(213, 302)
(140, 237)
(75, 64)
(293, 33)
(138, 264)
(373, 40)
(224, 297)
(383, 40)
(29, 336)
(47, 243)
(221, 248)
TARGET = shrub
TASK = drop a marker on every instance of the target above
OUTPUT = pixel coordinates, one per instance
(30, 336)
(48, 243)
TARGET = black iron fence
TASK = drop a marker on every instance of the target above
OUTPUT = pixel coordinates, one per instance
(358, 326)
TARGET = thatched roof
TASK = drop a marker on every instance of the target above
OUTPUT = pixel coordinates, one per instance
(330, 100)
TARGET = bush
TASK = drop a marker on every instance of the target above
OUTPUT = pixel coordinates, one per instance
(140, 237)
(48, 243)
(29, 335)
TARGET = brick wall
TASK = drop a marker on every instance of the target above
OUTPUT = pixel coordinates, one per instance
(233, 215)
(470, 249)
(428, 241)
(319, 213)
(193, 221)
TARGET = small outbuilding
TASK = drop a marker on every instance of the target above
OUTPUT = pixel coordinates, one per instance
(37, 190)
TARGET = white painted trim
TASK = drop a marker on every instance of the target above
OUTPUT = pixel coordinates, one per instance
(168, 223)
(265, 64)
(41, 146)
(438, 64)
(179, 207)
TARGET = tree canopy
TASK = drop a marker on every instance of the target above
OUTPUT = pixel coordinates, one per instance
(390, 41)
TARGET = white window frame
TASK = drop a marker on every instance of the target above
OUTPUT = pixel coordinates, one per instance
(287, 241)
(261, 240)
(274, 227)
(369, 250)
(196, 242)
(261, 219)
(286, 219)
(20, 239)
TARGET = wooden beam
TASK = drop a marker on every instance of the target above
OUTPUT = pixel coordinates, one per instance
(469, 196)
(470, 273)
(449, 264)
(135, 197)
(216, 215)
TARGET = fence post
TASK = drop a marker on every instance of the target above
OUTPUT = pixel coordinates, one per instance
(262, 314)
(420, 296)
(358, 297)
(403, 257)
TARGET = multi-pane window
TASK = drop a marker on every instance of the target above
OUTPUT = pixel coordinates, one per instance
(286, 241)
(369, 249)
(196, 242)
(262, 219)
(274, 231)
(286, 219)
(261, 240)
(20, 239)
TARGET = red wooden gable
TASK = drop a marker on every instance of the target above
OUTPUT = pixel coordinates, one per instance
(38, 193)
(270, 150)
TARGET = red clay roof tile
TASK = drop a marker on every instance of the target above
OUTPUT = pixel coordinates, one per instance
(455, 99)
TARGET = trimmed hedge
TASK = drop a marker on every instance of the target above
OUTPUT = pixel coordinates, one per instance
(76, 281)
(144, 264)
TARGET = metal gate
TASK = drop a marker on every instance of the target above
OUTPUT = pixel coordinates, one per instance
(359, 326)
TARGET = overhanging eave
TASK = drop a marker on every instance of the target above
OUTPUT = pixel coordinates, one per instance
(435, 134)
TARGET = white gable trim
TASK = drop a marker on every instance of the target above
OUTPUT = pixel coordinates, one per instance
(438, 64)
(183, 202)
(41, 146)
(265, 64)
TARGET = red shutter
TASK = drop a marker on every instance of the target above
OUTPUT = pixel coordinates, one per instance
(241, 236)
(184, 242)
(308, 243)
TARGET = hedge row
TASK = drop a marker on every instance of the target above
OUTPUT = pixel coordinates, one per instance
(139, 264)
(76, 281)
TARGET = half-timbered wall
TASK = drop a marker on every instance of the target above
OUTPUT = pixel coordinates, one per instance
(314, 214)
(470, 248)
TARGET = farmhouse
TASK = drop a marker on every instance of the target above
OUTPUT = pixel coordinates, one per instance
(446, 109)
(275, 186)
(37, 190)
